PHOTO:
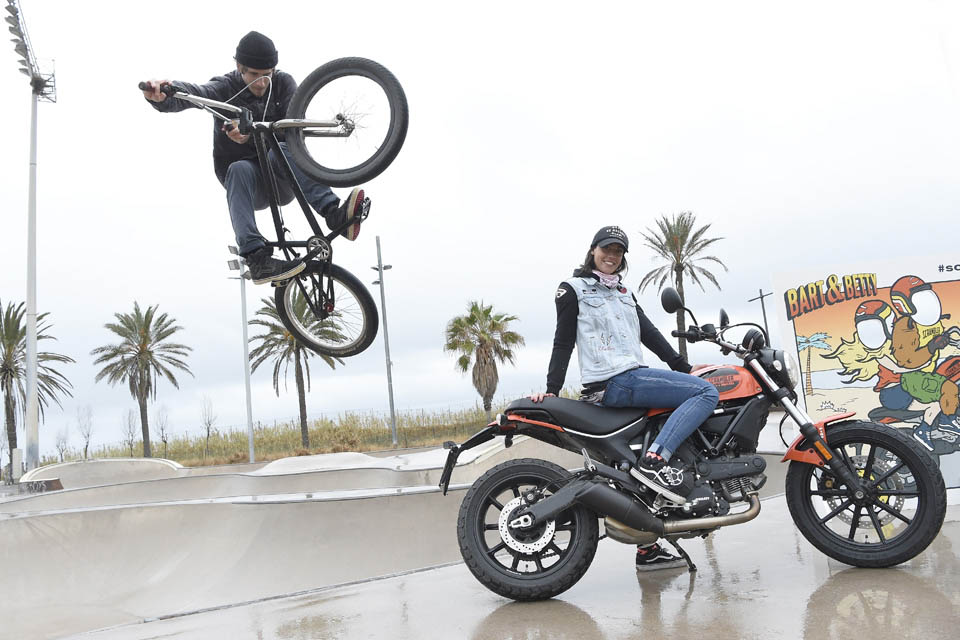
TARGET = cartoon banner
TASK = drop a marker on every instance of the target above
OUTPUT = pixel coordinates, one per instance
(885, 344)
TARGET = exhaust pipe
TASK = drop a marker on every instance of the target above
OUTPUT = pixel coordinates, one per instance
(628, 521)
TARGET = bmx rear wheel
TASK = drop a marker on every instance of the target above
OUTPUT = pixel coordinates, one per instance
(328, 310)
(370, 104)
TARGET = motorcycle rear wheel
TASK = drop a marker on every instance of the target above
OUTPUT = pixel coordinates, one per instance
(894, 522)
(526, 565)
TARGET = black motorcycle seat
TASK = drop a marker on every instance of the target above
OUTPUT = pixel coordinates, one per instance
(575, 415)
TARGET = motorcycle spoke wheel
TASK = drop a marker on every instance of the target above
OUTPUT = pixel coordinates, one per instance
(532, 563)
(892, 512)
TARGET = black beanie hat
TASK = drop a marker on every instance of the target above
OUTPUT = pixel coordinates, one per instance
(256, 51)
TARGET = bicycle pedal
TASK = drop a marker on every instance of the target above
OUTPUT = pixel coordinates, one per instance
(365, 208)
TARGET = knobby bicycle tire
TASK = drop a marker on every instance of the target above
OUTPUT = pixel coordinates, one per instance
(393, 140)
(362, 310)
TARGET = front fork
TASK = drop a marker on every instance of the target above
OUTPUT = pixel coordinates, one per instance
(827, 456)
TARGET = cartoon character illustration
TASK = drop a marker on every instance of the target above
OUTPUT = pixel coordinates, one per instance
(917, 340)
(902, 354)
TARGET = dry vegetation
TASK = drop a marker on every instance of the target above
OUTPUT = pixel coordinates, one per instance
(347, 432)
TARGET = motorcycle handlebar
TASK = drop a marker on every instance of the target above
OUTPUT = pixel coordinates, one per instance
(690, 336)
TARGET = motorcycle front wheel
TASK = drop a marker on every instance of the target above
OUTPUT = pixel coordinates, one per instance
(328, 310)
(884, 520)
(532, 564)
(368, 103)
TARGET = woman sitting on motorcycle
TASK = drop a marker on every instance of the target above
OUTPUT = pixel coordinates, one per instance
(601, 317)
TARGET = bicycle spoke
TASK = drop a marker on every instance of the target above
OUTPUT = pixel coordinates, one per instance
(494, 550)
(893, 512)
(855, 522)
(876, 525)
(538, 562)
(897, 492)
(516, 561)
(828, 492)
(832, 514)
(553, 547)
(494, 502)
(516, 492)
(491, 527)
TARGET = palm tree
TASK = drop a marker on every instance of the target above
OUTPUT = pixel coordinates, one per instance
(282, 347)
(51, 384)
(142, 356)
(483, 337)
(816, 341)
(680, 245)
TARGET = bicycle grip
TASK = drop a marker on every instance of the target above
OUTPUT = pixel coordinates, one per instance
(168, 89)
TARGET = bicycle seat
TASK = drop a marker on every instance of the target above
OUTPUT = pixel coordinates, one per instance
(584, 417)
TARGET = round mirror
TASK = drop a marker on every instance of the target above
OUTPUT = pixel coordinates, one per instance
(670, 300)
(724, 319)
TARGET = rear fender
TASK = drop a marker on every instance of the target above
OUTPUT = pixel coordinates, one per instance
(800, 451)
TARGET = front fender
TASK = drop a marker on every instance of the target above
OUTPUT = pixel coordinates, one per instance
(799, 451)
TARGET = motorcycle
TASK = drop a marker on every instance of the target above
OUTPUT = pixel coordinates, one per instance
(528, 529)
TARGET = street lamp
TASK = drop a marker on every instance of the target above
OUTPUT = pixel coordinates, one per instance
(380, 268)
(238, 265)
(43, 88)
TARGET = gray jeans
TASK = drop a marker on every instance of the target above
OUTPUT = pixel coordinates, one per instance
(247, 193)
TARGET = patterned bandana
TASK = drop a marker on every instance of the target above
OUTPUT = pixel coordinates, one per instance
(610, 281)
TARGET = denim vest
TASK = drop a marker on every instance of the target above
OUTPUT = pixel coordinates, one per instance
(608, 331)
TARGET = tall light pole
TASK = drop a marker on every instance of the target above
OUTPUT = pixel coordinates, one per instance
(238, 265)
(380, 268)
(43, 88)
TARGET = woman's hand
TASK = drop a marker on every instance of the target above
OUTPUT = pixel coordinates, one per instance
(538, 397)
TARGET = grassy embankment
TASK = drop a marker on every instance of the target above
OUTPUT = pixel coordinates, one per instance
(346, 432)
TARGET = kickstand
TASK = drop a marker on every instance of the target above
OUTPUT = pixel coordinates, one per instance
(683, 554)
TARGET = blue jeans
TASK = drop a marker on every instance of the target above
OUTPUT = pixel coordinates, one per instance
(693, 398)
(247, 193)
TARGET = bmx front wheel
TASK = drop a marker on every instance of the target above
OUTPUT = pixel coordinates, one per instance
(368, 102)
(328, 310)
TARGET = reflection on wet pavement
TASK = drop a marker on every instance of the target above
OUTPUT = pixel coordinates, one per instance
(757, 580)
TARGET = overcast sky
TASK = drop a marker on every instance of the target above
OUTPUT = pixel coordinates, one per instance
(800, 131)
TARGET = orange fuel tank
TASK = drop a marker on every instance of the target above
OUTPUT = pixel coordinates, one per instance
(732, 382)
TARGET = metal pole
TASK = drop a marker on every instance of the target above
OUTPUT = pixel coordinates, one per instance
(764, 308)
(32, 415)
(246, 362)
(386, 345)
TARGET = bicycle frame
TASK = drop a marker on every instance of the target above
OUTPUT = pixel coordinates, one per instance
(319, 246)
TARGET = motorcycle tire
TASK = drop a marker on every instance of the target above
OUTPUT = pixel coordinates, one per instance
(341, 326)
(835, 526)
(366, 94)
(548, 568)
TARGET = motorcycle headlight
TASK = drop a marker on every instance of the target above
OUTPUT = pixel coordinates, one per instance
(793, 369)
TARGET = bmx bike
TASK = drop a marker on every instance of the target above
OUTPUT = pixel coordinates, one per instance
(345, 124)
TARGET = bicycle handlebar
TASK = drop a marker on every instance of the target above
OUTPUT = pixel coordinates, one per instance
(168, 89)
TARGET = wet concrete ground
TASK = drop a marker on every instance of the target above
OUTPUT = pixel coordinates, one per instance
(756, 580)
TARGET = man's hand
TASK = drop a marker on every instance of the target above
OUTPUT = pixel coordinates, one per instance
(230, 128)
(538, 397)
(152, 92)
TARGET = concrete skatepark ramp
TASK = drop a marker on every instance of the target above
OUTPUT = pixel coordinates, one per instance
(116, 555)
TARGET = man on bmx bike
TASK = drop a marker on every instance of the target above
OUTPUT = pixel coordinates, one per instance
(259, 86)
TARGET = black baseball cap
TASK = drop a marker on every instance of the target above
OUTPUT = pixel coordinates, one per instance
(610, 235)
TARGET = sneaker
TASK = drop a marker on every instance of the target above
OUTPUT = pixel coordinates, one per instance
(664, 478)
(922, 435)
(355, 206)
(264, 268)
(655, 557)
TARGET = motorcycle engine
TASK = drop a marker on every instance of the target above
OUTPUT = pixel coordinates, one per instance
(702, 501)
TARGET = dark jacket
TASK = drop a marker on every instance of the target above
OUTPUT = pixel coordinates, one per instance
(231, 88)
